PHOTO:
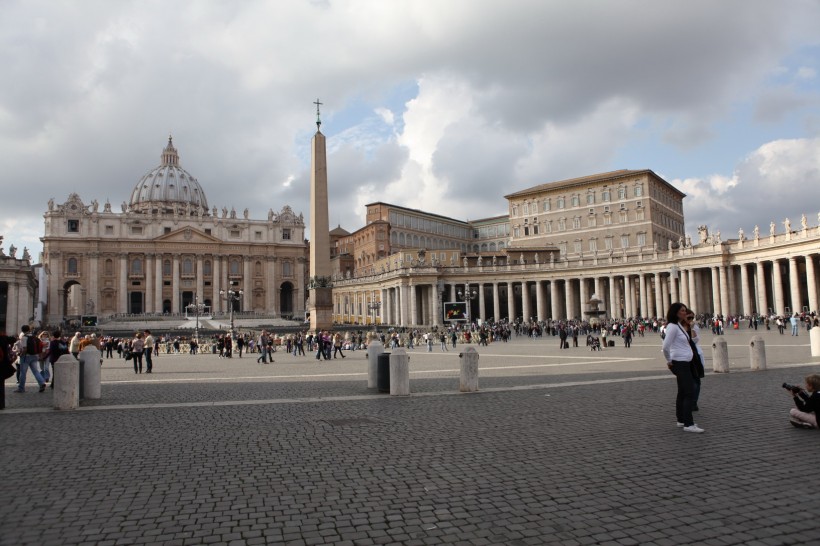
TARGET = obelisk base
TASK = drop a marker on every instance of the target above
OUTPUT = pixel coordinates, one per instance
(321, 309)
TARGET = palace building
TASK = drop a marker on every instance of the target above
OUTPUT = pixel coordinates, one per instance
(166, 249)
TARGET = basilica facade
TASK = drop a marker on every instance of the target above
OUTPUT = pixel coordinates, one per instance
(166, 249)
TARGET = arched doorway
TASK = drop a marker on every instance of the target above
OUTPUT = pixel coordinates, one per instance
(72, 303)
(286, 299)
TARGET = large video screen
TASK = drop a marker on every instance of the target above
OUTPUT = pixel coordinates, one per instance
(456, 310)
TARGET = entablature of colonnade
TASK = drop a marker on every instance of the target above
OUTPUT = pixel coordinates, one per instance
(713, 253)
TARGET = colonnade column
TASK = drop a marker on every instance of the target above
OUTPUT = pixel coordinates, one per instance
(540, 300)
(525, 302)
(794, 282)
(658, 296)
(381, 312)
(724, 291)
(762, 303)
(568, 298)
(510, 302)
(583, 294)
(434, 289)
(496, 302)
(715, 291)
(247, 287)
(629, 297)
(122, 306)
(642, 287)
(744, 290)
(779, 307)
(413, 295)
(684, 288)
(693, 290)
(675, 289)
(613, 305)
(811, 281)
(730, 285)
(554, 299)
(482, 313)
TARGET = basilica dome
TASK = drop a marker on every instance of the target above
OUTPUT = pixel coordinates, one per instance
(168, 186)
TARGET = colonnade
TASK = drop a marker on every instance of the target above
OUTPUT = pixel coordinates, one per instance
(777, 286)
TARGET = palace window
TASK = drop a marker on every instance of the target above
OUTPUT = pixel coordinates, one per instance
(621, 192)
(593, 245)
(560, 202)
(624, 241)
(591, 198)
(576, 222)
(286, 234)
(608, 243)
(592, 221)
(562, 224)
(547, 205)
(576, 201)
(638, 190)
(605, 195)
(577, 247)
(562, 248)
(641, 239)
(71, 266)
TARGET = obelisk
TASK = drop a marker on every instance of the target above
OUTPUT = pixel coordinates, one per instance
(319, 284)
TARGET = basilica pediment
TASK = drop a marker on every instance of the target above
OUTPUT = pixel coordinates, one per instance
(187, 235)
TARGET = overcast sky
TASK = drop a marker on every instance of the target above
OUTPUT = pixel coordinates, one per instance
(441, 105)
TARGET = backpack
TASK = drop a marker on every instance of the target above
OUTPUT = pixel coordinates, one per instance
(32, 345)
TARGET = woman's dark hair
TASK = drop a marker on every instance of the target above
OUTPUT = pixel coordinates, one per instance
(672, 314)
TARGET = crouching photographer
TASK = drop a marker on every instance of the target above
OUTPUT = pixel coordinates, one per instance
(807, 401)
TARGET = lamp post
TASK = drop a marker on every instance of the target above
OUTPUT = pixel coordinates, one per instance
(231, 296)
(373, 307)
(198, 308)
(468, 295)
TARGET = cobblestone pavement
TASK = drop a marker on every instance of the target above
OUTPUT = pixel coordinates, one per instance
(575, 449)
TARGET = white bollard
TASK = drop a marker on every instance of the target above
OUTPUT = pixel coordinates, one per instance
(720, 355)
(66, 383)
(814, 337)
(374, 349)
(399, 373)
(468, 381)
(757, 353)
(91, 361)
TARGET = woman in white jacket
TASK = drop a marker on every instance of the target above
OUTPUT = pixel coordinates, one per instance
(680, 354)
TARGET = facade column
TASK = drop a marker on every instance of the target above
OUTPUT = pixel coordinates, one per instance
(496, 302)
(716, 310)
(149, 283)
(158, 283)
(568, 299)
(247, 287)
(597, 288)
(811, 281)
(510, 302)
(482, 311)
(453, 292)
(216, 283)
(762, 300)
(644, 302)
(658, 296)
(745, 297)
(123, 289)
(540, 300)
(613, 298)
(794, 288)
(779, 305)
(526, 314)
(175, 285)
(724, 291)
(554, 299)
(270, 283)
(200, 279)
(93, 286)
(733, 302)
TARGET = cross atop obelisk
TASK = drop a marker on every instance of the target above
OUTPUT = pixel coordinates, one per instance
(321, 297)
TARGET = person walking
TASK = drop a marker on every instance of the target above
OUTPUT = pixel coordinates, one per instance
(137, 350)
(680, 354)
(28, 351)
(148, 350)
(337, 345)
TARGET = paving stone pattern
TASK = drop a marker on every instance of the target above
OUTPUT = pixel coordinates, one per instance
(597, 463)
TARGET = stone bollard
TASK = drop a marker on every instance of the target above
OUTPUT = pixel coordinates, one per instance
(91, 361)
(374, 349)
(720, 355)
(757, 353)
(399, 373)
(814, 337)
(468, 381)
(66, 383)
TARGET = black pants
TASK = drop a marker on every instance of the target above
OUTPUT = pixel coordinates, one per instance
(149, 363)
(686, 392)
